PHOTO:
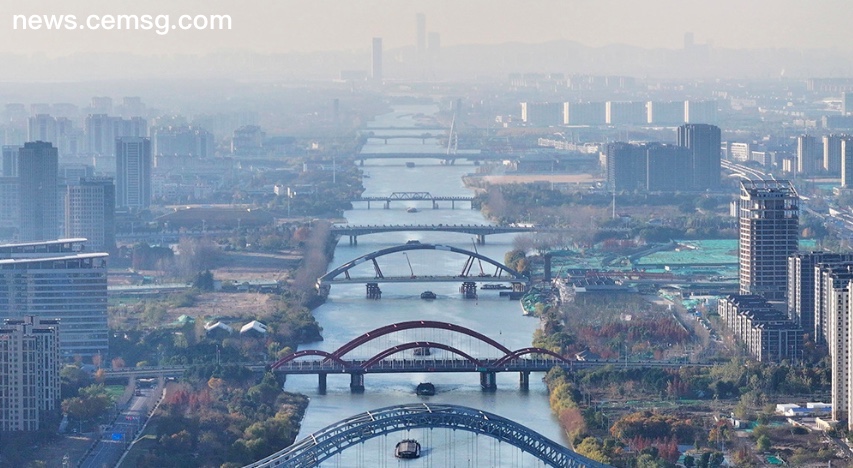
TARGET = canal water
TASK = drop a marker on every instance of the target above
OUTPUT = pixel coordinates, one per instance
(348, 314)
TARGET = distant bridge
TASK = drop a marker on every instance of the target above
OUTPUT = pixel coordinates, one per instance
(480, 230)
(334, 439)
(474, 155)
(502, 272)
(415, 196)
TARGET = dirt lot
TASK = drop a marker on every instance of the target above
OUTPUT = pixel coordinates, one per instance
(248, 266)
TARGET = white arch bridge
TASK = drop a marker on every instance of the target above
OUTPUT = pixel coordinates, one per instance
(321, 445)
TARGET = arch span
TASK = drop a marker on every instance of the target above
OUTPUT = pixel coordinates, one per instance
(346, 267)
(414, 345)
(525, 351)
(307, 352)
(338, 437)
(412, 324)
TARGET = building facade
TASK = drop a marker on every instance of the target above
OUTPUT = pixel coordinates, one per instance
(133, 172)
(55, 279)
(703, 144)
(766, 333)
(90, 205)
(29, 372)
(769, 223)
(38, 191)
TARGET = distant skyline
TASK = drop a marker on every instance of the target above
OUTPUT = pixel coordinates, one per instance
(304, 26)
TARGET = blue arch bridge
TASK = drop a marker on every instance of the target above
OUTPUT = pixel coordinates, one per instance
(322, 445)
(469, 279)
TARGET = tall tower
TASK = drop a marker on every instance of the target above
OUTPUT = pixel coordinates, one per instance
(90, 205)
(38, 190)
(133, 172)
(809, 155)
(420, 20)
(703, 144)
(376, 60)
(832, 153)
(769, 223)
(847, 163)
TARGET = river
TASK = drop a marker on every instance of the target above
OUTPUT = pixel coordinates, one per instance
(347, 314)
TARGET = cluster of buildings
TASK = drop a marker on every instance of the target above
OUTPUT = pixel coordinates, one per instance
(691, 164)
(53, 309)
(660, 113)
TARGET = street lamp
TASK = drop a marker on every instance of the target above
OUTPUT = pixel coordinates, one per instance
(412, 271)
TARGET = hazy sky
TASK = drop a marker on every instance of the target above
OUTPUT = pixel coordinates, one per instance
(271, 26)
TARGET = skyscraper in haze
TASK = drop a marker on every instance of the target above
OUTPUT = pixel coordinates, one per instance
(133, 172)
(769, 223)
(420, 20)
(38, 187)
(376, 60)
(90, 204)
(703, 143)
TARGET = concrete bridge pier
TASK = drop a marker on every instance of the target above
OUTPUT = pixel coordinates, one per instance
(524, 380)
(321, 383)
(468, 290)
(434, 205)
(387, 204)
(481, 239)
(353, 239)
(488, 381)
(356, 383)
(373, 291)
(368, 204)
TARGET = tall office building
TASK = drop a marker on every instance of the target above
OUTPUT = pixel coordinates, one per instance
(29, 372)
(420, 26)
(133, 172)
(376, 60)
(42, 127)
(90, 212)
(809, 155)
(803, 299)
(769, 223)
(38, 189)
(703, 143)
(9, 205)
(56, 279)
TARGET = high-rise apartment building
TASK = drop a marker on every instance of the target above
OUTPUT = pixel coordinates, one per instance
(133, 172)
(56, 279)
(9, 206)
(38, 191)
(847, 163)
(809, 155)
(9, 161)
(625, 113)
(542, 113)
(182, 141)
(665, 112)
(584, 113)
(103, 130)
(29, 372)
(769, 223)
(766, 333)
(90, 212)
(700, 112)
(376, 60)
(804, 269)
(703, 144)
(832, 154)
(653, 167)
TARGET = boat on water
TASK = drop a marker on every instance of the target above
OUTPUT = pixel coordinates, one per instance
(408, 448)
(428, 295)
(495, 287)
(411, 209)
(425, 388)
(410, 164)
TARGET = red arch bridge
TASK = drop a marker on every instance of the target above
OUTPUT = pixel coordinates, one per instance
(334, 439)
(393, 359)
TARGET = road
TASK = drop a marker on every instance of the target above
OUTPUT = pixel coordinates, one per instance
(116, 436)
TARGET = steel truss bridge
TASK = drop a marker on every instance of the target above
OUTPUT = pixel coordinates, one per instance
(502, 272)
(415, 196)
(336, 438)
(479, 230)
